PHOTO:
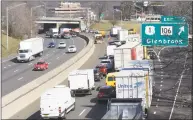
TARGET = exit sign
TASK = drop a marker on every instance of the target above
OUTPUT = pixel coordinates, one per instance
(172, 19)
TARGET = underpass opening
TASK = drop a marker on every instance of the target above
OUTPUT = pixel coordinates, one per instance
(47, 26)
(71, 25)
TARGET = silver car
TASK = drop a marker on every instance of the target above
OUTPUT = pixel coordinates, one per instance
(62, 45)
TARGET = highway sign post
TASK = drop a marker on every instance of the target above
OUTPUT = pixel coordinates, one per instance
(173, 19)
(164, 34)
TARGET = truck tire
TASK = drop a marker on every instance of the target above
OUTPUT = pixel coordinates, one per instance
(74, 106)
(40, 54)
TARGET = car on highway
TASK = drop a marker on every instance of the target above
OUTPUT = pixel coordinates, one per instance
(72, 49)
(108, 63)
(42, 65)
(51, 45)
(105, 93)
(73, 34)
(57, 102)
(102, 69)
(66, 36)
(98, 76)
(62, 45)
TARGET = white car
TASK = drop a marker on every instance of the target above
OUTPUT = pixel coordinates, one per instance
(72, 49)
(62, 45)
(57, 102)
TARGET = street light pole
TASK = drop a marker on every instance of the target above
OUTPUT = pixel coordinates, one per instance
(44, 7)
(31, 16)
(7, 14)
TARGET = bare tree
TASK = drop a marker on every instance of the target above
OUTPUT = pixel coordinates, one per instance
(99, 7)
(127, 8)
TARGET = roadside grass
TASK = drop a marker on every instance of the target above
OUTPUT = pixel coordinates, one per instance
(13, 46)
(106, 25)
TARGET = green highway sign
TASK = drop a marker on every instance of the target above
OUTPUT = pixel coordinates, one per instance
(172, 19)
(164, 34)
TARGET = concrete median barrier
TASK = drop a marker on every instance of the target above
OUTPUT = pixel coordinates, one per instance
(24, 96)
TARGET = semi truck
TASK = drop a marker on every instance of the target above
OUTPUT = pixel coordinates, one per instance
(122, 35)
(129, 108)
(29, 49)
(135, 83)
(114, 31)
(81, 81)
(127, 52)
(110, 49)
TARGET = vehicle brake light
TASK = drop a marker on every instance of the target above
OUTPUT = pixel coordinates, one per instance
(100, 94)
(59, 109)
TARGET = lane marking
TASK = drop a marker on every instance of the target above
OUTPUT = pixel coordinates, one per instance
(49, 63)
(57, 57)
(53, 51)
(160, 89)
(64, 53)
(82, 112)
(154, 112)
(157, 105)
(4, 67)
(162, 78)
(9, 65)
(161, 81)
(15, 70)
(30, 64)
(20, 78)
(157, 99)
(161, 85)
(47, 54)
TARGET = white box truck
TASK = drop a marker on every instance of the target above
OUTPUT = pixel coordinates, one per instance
(29, 49)
(127, 52)
(56, 102)
(134, 84)
(114, 31)
(81, 81)
(110, 49)
(123, 35)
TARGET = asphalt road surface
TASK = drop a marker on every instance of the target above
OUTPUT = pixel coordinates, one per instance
(172, 93)
(15, 75)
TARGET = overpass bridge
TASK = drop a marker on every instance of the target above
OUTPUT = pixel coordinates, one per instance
(57, 22)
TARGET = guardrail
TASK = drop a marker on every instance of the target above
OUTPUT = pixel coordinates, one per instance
(24, 96)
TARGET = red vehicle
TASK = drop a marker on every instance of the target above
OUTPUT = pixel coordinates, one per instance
(102, 69)
(42, 65)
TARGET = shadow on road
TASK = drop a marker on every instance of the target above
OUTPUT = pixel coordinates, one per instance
(35, 116)
(97, 111)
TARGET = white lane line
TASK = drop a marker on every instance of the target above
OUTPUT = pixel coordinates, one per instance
(20, 78)
(160, 89)
(4, 67)
(30, 64)
(82, 112)
(154, 112)
(49, 63)
(57, 57)
(161, 81)
(53, 51)
(9, 65)
(157, 99)
(64, 53)
(157, 105)
(15, 70)
(47, 54)
(162, 78)
(161, 85)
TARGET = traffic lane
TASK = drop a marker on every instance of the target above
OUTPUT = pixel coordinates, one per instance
(81, 102)
(14, 82)
(21, 67)
(10, 59)
(11, 64)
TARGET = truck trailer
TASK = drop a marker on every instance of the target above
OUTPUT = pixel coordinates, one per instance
(129, 108)
(135, 83)
(29, 49)
(122, 35)
(127, 52)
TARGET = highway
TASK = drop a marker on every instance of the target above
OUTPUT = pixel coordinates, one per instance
(15, 75)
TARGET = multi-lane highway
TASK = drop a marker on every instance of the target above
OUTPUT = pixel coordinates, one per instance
(15, 75)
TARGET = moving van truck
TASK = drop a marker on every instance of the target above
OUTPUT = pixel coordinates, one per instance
(127, 52)
(134, 84)
(56, 102)
(110, 79)
(81, 81)
(29, 49)
(114, 31)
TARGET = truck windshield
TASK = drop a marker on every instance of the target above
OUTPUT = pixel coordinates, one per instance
(110, 78)
(23, 51)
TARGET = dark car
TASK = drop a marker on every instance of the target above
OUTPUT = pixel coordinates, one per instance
(105, 93)
(51, 45)
(152, 55)
(98, 76)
